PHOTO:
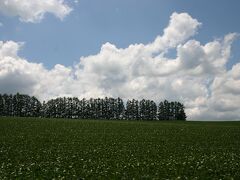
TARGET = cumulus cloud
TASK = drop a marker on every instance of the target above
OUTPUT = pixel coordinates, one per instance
(181, 27)
(197, 76)
(34, 10)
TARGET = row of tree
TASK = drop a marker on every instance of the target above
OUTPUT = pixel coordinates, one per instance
(19, 105)
(106, 108)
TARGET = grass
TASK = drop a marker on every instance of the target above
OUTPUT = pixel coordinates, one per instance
(87, 149)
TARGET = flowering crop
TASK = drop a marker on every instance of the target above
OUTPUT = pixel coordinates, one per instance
(87, 149)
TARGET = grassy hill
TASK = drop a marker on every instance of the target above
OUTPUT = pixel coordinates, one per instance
(72, 149)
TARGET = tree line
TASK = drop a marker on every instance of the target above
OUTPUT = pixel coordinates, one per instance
(101, 108)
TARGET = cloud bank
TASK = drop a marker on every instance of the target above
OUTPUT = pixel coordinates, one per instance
(197, 76)
(34, 10)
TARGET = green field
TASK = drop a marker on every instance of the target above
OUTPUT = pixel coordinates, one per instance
(74, 149)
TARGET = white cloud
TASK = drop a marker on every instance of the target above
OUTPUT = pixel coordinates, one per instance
(181, 27)
(34, 10)
(197, 76)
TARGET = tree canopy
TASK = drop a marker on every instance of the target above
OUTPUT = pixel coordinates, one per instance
(100, 108)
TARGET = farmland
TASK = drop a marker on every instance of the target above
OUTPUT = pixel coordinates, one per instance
(32, 148)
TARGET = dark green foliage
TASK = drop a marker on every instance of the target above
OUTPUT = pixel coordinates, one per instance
(147, 110)
(19, 105)
(132, 110)
(79, 149)
(107, 108)
(171, 111)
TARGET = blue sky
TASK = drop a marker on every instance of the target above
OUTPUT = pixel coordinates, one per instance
(92, 23)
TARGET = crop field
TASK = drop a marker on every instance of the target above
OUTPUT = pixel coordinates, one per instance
(33, 148)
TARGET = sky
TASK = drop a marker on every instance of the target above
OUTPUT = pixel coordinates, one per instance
(157, 49)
